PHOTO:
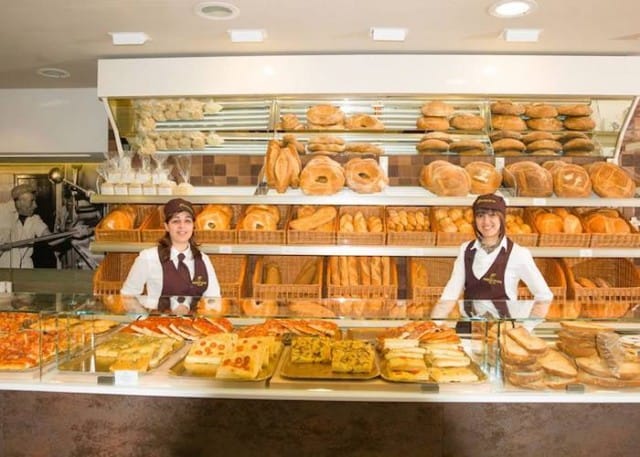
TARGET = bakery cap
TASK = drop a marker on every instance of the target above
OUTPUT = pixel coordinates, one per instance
(17, 191)
(489, 202)
(177, 205)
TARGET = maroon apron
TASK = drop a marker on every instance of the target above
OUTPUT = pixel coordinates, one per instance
(491, 285)
(174, 284)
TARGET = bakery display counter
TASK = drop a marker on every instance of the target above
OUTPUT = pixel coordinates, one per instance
(490, 352)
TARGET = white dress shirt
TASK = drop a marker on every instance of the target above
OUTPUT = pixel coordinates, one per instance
(520, 267)
(11, 229)
(147, 270)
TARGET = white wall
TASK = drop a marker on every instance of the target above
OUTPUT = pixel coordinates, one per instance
(52, 121)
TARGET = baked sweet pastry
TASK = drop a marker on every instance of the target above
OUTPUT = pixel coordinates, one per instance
(485, 179)
(365, 176)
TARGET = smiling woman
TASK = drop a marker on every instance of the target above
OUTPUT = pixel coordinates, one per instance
(175, 273)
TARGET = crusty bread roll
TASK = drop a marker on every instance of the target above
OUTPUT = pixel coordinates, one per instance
(507, 107)
(547, 124)
(601, 222)
(508, 144)
(214, 217)
(571, 180)
(485, 179)
(529, 179)
(436, 108)
(575, 110)
(571, 224)
(122, 218)
(432, 123)
(467, 122)
(581, 123)
(507, 122)
(445, 179)
(611, 181)
(537, 136)
(548, 223)
(540, 110)
(324, 115)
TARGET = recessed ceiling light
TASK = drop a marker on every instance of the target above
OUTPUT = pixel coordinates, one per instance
(129, 38)
(216, 11)
(521, 35)
(247, 35)
(51, 72)
(512, 8)
(388, 34)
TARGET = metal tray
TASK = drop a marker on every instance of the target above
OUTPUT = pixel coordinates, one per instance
(474, 367)
(264, 374)
(89, 363)
(321, 370)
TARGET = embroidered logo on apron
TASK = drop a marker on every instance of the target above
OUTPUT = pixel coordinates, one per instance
(198, 281)
(492, 280)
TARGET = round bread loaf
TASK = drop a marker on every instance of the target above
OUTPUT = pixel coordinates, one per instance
(437, 136)
(436, 108)
(507, 122)
(502, 134)
(363, 148)
(465, 146)
(446, 180)
(364, 176)
(611, 181)
(214, 217)
(119, 219)
(507, 107)
(548, 223)
(508, 144)
(528, 179)
(322, 176)
(432, 123)
(553, 165)
(544, 144)
(363, 122)
(537, 136)
(426, 174)
(485, 179)
(467, 122)
(571, 181)
(568, 136)
(548, 124)
(432, 145)
(325, 115)
(579, 144)
(582, 123)
(575, 110)
(326, 139)
(540, 110)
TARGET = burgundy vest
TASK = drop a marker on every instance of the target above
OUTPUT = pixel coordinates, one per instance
(175, 285)
(491, 285)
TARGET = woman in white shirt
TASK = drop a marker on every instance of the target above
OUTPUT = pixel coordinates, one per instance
(175, 273)
(490, 267)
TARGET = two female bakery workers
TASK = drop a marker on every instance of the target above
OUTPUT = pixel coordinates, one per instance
(169, 285)
(490, 268)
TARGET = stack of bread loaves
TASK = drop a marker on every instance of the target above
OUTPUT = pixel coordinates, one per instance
(435, 116)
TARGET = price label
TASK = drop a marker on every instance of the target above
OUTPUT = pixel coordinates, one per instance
(585, 253)
(126, 378)
(575, 388)
(430, 387)
(539, 202)
(225, 249)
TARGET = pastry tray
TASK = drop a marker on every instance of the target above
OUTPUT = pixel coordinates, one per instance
(265, 373)
(320, 370)
(89, 363)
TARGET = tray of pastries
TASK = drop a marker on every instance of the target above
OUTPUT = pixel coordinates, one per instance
(226, 356)
(312, 357)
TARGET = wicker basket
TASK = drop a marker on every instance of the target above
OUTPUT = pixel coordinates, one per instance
(131, 235)
(229, 236)
(289, 267)
(151, 229)
(410, 238)
(365, 291)
(111, 273)
(310, 236)
(603, 302)
(557, 239)
(359, 238)
(231, 271)
(523, 239)
(621, 240)
(554, 275)
(448, 238)
(427, 276)
(277, 236)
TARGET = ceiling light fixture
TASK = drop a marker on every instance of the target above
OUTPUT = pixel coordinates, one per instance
(388, 34)
(51, 72)
(216, 11)
(512, 8)
(247, 35)
(521, 35)
(129, 38)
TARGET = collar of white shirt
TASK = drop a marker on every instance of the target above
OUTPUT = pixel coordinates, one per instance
(174, 254)
(503, 244)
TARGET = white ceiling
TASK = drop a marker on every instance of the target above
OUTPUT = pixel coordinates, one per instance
(74, 34)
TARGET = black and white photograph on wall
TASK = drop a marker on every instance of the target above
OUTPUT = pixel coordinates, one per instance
(47, 219)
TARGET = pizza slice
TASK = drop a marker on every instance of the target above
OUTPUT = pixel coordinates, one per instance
(207, 353)
(240, 365)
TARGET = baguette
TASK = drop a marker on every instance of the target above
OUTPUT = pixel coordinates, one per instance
(365, 271)
(272, 274)
(307, 273)
(601, 282)
(586, 282)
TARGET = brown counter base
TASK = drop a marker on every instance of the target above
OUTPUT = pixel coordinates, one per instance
(74, 425)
